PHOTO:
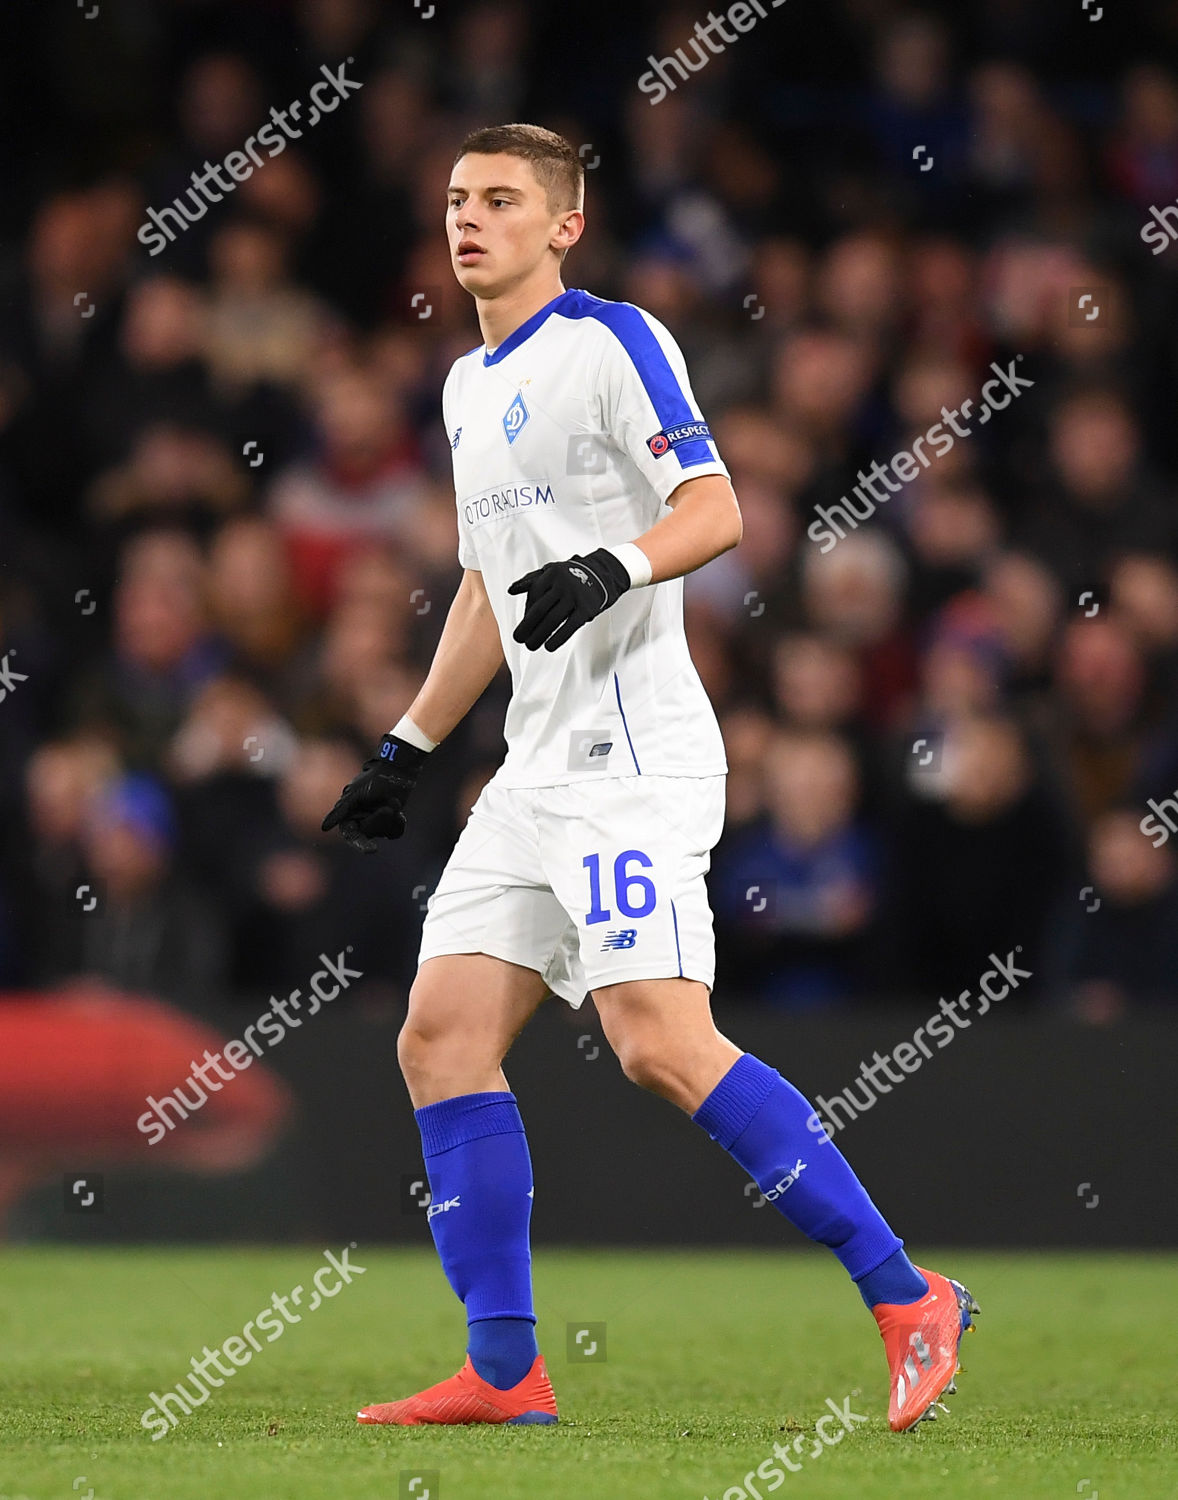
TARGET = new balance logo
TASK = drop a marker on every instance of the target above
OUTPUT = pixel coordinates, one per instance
(625, 938)
(786, 1182)
(441, 1208)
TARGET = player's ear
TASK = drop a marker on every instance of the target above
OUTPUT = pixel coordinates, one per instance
(569, 230)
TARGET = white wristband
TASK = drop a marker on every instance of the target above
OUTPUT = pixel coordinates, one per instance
(405, 729)
(635, 562)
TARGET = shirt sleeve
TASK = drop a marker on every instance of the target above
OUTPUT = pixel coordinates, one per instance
(647, 404)
(466, 552)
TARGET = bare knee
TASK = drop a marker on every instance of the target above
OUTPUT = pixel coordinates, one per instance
(665, 1039)
(432, 1043)
(645, 1062)
(417, 1046)
(464, 1012)
(440, 1064)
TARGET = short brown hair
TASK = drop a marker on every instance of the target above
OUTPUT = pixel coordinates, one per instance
(554, 160)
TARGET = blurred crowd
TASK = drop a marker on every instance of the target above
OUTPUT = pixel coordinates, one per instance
(227, 531)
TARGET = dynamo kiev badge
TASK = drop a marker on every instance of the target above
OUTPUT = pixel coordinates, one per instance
(515, 417)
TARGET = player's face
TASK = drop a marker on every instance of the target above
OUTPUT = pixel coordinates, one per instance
(499, 224)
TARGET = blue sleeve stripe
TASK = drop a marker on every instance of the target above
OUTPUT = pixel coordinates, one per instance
(678, 954)
(671, 406)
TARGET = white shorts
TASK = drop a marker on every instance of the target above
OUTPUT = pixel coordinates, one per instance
(590, 883)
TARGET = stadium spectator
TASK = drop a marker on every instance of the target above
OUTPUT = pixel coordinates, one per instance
(363, 486)
(1122, 944)
(135, 920)
(979, 852)
(797, 890)
(162, 650)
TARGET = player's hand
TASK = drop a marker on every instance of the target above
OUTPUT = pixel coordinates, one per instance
(563, 596)
(372, 804)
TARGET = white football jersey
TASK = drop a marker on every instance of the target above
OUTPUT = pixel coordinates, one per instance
(567, 437)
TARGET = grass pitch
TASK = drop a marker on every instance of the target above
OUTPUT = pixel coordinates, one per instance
(710, 1358)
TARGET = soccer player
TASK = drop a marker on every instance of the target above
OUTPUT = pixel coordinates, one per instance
(587, 485)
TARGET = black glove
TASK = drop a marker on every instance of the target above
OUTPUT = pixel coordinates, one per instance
(371, 805)
(563, 596)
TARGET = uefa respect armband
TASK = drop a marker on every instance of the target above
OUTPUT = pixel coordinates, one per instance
(675, 437)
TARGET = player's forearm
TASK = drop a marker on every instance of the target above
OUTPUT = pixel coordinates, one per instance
(704, 522)
(468, 655)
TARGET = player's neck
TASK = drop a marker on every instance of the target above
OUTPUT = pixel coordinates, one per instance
(499, 317)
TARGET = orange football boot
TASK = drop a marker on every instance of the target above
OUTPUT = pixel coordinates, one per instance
(921, 1339)
(467, 1397)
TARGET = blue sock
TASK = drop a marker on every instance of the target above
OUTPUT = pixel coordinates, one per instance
(503, 1350)
(897, 1280)
(480, 1177)
(763, 1123)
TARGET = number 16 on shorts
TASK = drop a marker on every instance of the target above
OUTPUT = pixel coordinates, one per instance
(632, 893)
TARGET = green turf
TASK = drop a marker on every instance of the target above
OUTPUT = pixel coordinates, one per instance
(711, 1357)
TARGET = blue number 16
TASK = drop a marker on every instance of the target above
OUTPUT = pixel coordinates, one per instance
(623, 880)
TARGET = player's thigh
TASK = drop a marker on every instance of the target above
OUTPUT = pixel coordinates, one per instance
(654, 1009)
(468, 1007)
